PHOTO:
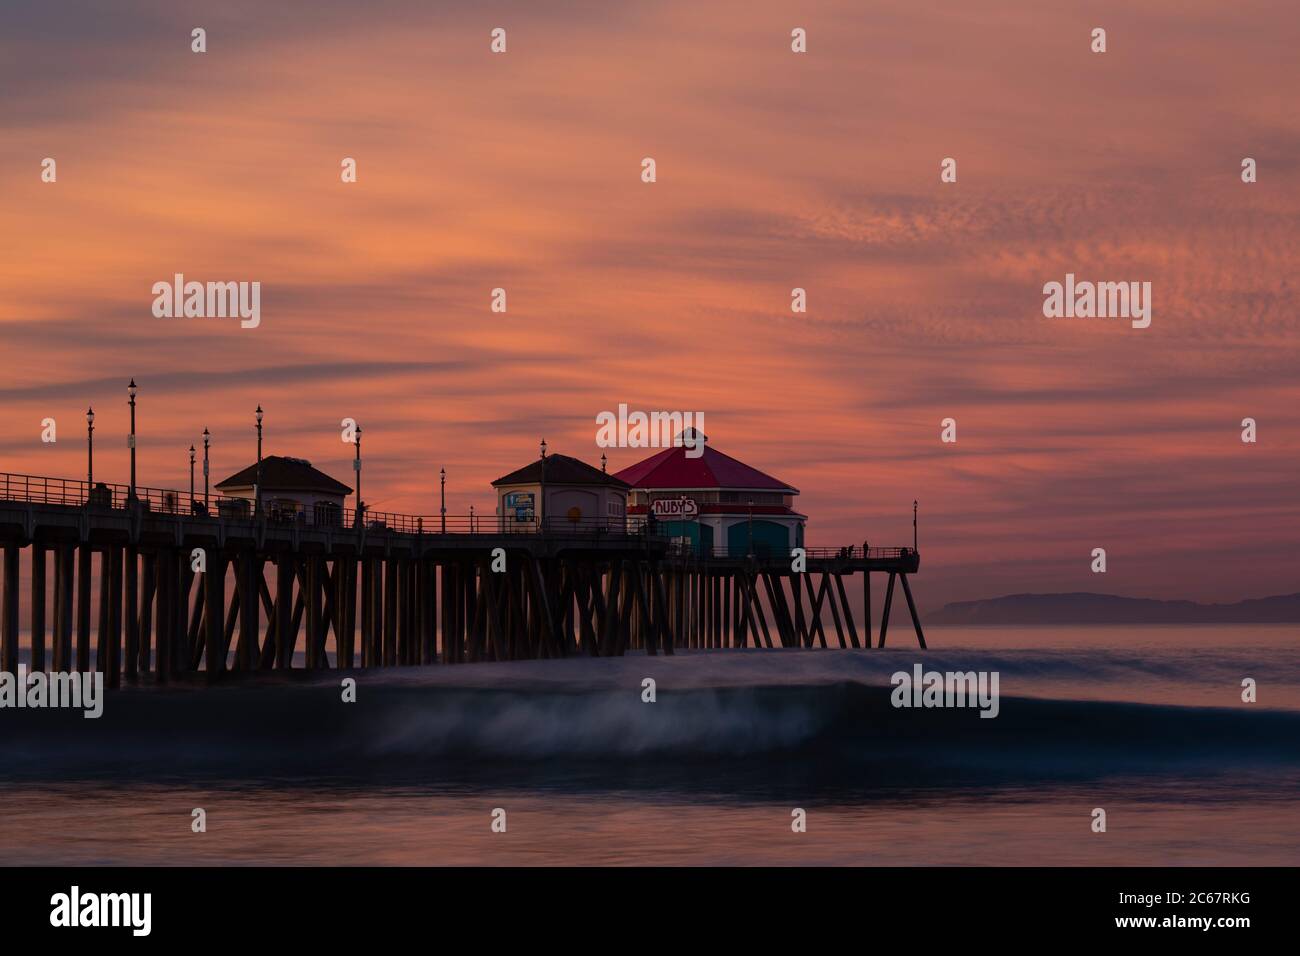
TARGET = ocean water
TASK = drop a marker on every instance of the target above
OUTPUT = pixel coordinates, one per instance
(1146, 723)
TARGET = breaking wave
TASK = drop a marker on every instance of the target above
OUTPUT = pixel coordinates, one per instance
(841, 733)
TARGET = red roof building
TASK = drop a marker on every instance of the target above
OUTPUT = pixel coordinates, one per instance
(722, 505)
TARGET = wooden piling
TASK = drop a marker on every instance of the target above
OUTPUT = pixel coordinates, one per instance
(9, 637)
(168, 595)
(63, 595)
(250, 611)
(772, 584)
(284, 580)
(312, 602)
(745, 619)
(346, 602)
(366, 569)
(796, 596)
(448, 593)
(730, 609)
(391, 577)
(147, 604)
(131, 585)
(186, 586)
(826, 593)
(83, 607)
(38, 608)
(115, 586)
(814, 610)
(911, 607)
(866, 604)
(848, 611)
(429, 654)
(214, 596)
(105, 592)
(884, 616)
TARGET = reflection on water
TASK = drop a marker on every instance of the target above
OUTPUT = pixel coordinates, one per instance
(151, 826)
(1146, 723)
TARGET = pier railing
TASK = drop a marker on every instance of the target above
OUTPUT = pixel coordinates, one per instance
(486, 524)
(37, 489)
(761, 550)
(855, 552)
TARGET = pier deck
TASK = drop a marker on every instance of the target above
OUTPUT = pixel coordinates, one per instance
(181, 591)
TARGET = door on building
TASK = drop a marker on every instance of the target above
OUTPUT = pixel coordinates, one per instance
(771, 540)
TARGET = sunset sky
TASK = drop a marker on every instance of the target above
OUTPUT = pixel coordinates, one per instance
(775, 170)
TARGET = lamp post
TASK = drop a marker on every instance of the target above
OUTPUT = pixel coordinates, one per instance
(442, 497)
(603, 461)
(207, 437)
(541, 504)
(90, 448)
(130, 391)
(191, 476)
(471, 519)
(356, 466)
(257, 489)
(914, 526)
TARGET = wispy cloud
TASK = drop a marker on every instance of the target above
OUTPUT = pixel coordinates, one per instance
(775, 171)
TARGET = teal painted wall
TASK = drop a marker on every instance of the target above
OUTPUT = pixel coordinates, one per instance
(770, 539)
(701, 535)
(682, 529)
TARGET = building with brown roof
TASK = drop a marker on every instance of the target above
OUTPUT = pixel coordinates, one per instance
(563, 492)
(291, 490)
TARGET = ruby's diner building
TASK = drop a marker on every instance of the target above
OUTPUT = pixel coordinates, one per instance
(719, 505)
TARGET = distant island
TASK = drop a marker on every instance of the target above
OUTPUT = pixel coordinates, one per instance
(1087, 608)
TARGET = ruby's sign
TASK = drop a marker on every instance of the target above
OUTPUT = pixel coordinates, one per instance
(675, 509)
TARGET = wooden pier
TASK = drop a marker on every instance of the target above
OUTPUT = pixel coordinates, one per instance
(390, 590)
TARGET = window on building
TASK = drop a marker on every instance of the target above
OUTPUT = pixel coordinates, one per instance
(757, 497)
